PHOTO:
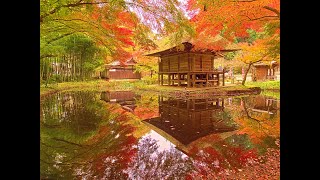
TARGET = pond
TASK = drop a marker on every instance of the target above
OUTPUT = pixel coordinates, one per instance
(131, 135)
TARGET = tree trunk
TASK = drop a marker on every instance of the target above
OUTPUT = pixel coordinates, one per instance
(74, 69)
(63, 73)
(245, 74)
(42, 70)
(47, 72)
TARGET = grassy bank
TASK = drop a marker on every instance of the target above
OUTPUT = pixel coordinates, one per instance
(184, 92)
(98, 85)
(52, 88)
(273, 94)
(141, 85)
(158, 88)
(266, 85)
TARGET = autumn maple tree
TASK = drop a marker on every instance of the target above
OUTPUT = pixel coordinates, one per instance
(234, 20)
(113, 24)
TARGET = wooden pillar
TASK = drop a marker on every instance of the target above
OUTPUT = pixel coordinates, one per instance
(172, 78)
(188, 80)
(169, 79)
(218, 78)
(223, 77)
(179, 76)
(172, 82)
(193, 80)
(168, 64)
(273, 72)
(161, 79)
(158, 78)
(206, 79)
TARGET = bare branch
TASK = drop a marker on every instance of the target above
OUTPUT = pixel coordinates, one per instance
(260, 18)
(263, 17)
(247, 113)
(88, 22)
(79, 3)
(62, 140)
(273, 10)
(59, 37)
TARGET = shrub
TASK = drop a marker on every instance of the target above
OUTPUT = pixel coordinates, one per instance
(150, 80)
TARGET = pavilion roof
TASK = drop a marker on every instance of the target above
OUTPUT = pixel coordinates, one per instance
(185, 136)
(214, 46)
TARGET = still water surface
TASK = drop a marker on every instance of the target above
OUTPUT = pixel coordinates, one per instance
(124, 135)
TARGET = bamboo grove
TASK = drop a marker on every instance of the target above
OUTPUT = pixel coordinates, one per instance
(78, 59)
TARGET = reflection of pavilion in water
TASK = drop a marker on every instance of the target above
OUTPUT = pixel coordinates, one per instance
(126, 99)
(185, 121)
(263, 104)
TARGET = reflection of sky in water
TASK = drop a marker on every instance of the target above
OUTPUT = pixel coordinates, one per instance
(163, 143)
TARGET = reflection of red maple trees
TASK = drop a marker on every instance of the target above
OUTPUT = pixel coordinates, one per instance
(146, 113)
(218, 158)
(224, 161)
(112, 163)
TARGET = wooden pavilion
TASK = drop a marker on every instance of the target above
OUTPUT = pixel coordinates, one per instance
(183, 122)
(187, 65)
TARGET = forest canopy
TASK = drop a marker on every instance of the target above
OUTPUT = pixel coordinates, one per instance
(77, 37)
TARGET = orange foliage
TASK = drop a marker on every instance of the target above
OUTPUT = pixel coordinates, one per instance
(146, 113)
(236, 15)
(118, 27)
(259, 128)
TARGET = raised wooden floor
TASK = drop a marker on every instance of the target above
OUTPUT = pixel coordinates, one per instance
(192, 79)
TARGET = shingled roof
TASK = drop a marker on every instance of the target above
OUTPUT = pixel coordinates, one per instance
(216, 46)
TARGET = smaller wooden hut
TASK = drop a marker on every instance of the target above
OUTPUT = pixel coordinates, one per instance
(127, 99)
(264, 71)
(122, 70)
(263, 104)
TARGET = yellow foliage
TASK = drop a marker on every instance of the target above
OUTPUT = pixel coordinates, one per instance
(260, 50)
